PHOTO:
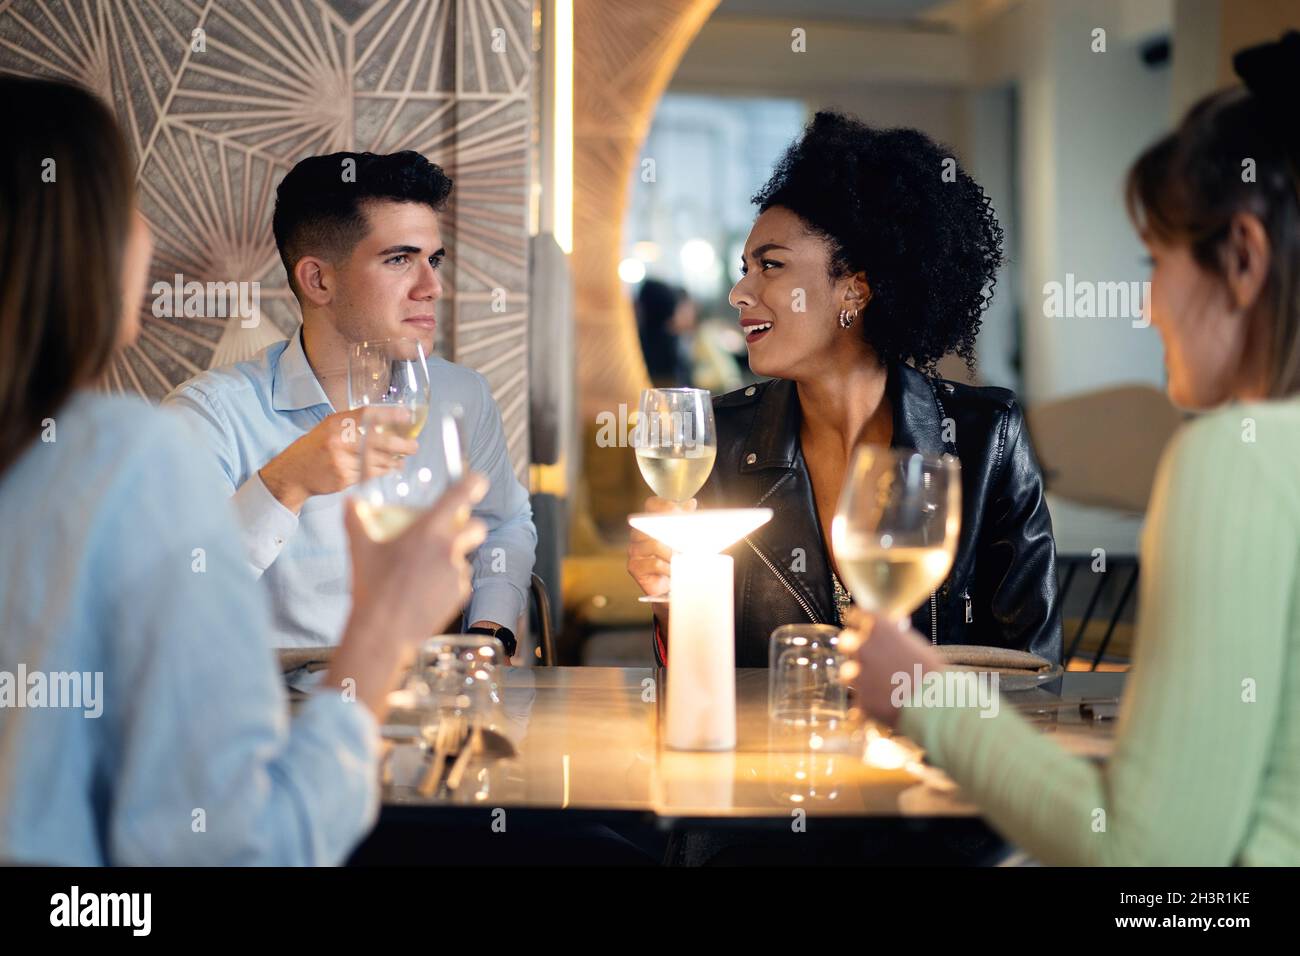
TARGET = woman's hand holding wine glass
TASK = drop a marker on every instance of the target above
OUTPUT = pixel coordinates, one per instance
(649, 560)
(876, 648)
(894, 535)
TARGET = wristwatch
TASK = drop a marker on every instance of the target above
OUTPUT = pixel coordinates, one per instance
(502, 634)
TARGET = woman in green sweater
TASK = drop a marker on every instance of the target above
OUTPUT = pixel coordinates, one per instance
(1206, 767)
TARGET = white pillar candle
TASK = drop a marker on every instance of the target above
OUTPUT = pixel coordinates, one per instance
(701, 706)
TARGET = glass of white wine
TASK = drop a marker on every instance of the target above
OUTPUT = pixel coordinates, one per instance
(895, 530)
(391, 492)
(894, 535)
(676, 444)
(392, 372)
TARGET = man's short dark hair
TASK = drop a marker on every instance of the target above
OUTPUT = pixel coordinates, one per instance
(319, 205)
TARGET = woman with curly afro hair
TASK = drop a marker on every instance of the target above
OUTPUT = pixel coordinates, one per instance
(873, 256)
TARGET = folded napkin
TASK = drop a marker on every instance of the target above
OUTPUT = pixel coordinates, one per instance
(979, 657)
(310, 659)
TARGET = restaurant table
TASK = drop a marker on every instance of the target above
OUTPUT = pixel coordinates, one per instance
(590, 751)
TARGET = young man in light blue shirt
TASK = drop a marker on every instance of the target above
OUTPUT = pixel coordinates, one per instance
(359, 237)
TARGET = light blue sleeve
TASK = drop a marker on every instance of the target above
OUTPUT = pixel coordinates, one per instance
(503, 564)
(265, 525)
(202, 760)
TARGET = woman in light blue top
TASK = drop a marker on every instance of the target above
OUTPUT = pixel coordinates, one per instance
(142, 719)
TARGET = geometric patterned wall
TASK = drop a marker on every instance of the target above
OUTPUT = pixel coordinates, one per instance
(213, 131)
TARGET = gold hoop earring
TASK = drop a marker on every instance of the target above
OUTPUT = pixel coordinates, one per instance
(846, 318)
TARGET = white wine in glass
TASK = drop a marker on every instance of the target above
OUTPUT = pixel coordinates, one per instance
(410, 429)
(893, 536)
(675, 441)
(391, 372)
(676, 445)
(392, 493)
(890, 581)
(676, 477)
(384, 522)
(895, 530)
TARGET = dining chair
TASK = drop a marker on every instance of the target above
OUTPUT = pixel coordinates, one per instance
(540, 618)
(1068, 567)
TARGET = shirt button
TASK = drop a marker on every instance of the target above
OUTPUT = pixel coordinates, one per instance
(279, 541)
(751, 458)
(751, 390)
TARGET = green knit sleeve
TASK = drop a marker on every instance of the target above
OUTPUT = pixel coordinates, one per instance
(1203, 699)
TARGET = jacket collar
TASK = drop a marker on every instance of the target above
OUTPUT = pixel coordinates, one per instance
(294, 385)
(774, 434)
(918, 417)
(773, 440)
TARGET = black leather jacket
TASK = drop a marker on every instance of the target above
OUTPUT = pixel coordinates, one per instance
(1002, 590)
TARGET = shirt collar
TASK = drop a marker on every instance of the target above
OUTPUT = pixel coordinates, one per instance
(295, 385)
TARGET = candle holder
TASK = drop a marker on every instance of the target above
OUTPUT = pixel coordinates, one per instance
(700, 710)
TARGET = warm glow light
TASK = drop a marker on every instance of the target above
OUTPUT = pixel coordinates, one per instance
(697, 256)
(701, 532)
(631, 271)
(886, 753)
(646, 251)
(562, 134)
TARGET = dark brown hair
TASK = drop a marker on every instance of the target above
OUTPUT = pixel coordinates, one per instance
(319, 212)
(1234, 152)
(66, 201)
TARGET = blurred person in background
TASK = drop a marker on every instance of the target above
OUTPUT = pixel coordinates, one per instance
(665, 319)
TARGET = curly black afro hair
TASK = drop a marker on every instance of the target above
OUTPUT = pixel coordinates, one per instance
(929, 247)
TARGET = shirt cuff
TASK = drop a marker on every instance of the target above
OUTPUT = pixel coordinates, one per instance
(495, 601)
(265, 524)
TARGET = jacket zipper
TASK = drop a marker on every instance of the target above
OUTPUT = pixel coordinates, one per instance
(934, 595)
(788, 586)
